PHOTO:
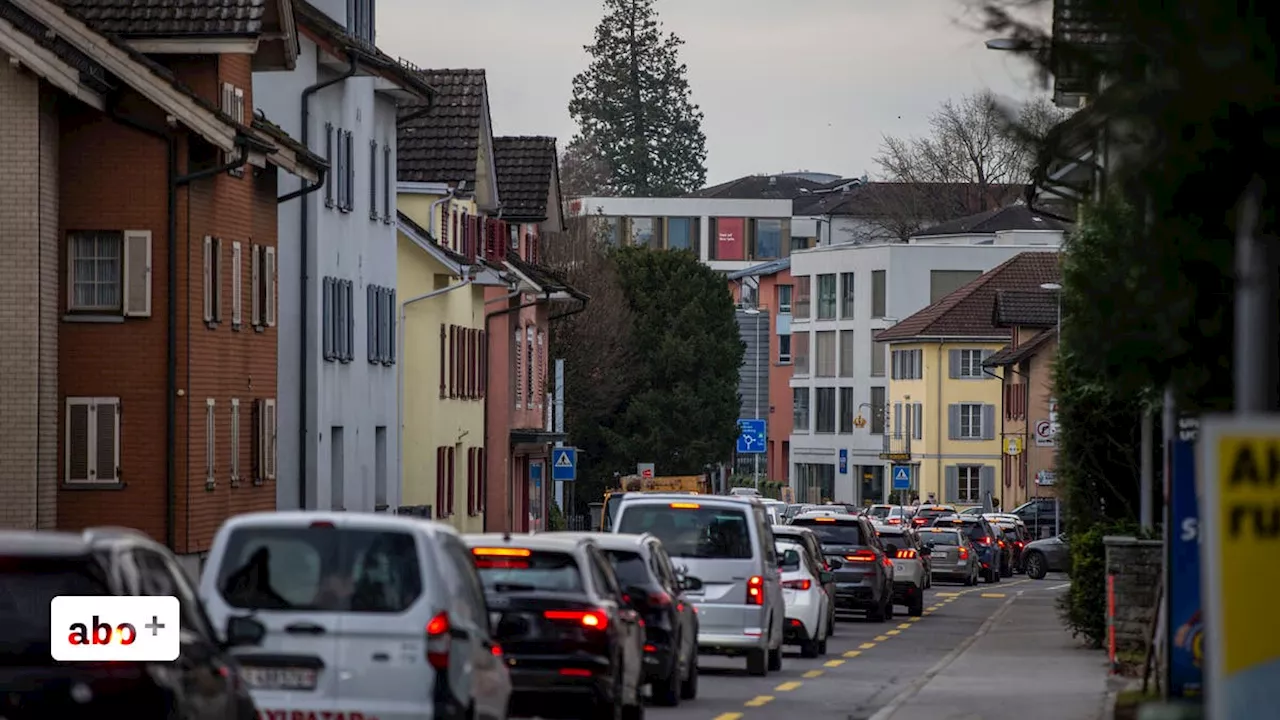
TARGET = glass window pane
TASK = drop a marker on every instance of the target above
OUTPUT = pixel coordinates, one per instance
(846, 353)
(826, 297)
(800, 405)
(768, 239)
(800, 308)
(846, 295)
(680, 233)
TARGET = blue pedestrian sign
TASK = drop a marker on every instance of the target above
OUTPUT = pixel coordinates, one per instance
(751, 437)
(901, 477)
(564, 464)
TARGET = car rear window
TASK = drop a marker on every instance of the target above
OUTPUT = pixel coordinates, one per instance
(943, 538)
(630, 568)
(933, 513)
(320, 569)
(781, 546)
(893, 541)
(880, 511)
(975, 531)
(522, 570)
(692, 530)
(27, 586)
(835, 532)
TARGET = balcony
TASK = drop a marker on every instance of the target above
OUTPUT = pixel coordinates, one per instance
(1082, 30)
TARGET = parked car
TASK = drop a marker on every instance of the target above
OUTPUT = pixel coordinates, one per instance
(985, 541)
(953, 556)
(863, 573)
(724, 547)
(809, 540)
(808, 608)
(910, 574)
(1016, 534)
(565, 626)
(358, 613)
(1043, 517)
(35, 567)
(651, 585)
(926, 514)
(1041, 557)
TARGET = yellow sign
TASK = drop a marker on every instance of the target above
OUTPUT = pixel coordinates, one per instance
(1240, 458)
(899, 457)
(859, 422)
(1013, 446)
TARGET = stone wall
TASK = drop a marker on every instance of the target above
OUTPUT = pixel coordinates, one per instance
(1138, 569)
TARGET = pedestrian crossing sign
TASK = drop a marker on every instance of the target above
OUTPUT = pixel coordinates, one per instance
(564, 464)
(901, 477)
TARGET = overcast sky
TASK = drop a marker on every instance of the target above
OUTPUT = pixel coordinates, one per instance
(784, 84)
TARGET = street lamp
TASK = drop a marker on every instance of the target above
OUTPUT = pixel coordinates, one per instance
(1012, 44)
(1056, 287)
(755, 373)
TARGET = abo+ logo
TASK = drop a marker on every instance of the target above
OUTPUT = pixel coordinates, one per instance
(114, 628)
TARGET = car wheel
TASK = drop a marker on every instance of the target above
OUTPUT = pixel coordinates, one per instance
(757, 663)
(916, 608)
(610, 708)
(1036, 566)
(831, 622)
(822, 646)
(689, 687)
(808, 649)
(667, 692)
(633, 712)
(775, 659)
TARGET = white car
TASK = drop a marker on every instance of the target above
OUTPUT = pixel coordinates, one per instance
(807, 603)
(359, 614)
(910, 575)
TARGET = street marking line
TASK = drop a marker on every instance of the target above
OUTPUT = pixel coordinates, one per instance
(952, 594)
(812, 674)
(904, 626)
(881, 638)
(727, 716)
(833, 663)
(759, 701)
(895, 632)
(788, 686)
(914, 620)
(928, 612)
(992, 595)
(851, 654)
(866, 646)
(1059, 587)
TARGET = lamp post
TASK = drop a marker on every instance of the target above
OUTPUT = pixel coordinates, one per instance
(755, 374)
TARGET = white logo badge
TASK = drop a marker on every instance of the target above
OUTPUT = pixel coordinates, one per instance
(113, 628)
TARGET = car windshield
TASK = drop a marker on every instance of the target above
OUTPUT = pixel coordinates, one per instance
(611, 511)
(320, 569)
(522, 570)
(894, 542)
(27, 586)
(834, 533)
(630, 568)
(691, 530)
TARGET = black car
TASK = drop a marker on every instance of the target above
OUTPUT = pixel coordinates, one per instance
(651, 585)
(863, 572)
(1017, 536)
(202, 684)
(1042, 516)
(559, 612)
(986, 540)
(927, 514)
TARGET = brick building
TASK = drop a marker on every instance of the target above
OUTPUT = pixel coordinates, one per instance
(140, 229)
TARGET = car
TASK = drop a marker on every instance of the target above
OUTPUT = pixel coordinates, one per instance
(1004, 549)
(863, 571)
(1016, 534)
(775, 509)
(889, 514)
(724, 548)
(1043, 516)
(652, 586)
(563, 620)
(954, 559)
(808, 608)
(926, 514)
(984, 539)
(744, 492)
(807, 538)
(36, 567)
(1041, 557)
(358, 614)
(910, 574)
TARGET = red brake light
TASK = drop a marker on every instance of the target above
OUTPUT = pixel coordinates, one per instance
(501, 564)
(919, 521)
(496, 650)
(894, 521)
(1001, 543)
(1020, 543)
(797, 584)
(755, 590)
(575, 672)
(593, 619)
(650, 648)
(984, 541)
(659, 599)
(438, 641)
(906, 554)
(964, 553)
(502, 551)
(862, 556)
(321, 524)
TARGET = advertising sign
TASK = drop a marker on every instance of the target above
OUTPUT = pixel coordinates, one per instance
(731, 239)
(1240, 461)
(1186, 624)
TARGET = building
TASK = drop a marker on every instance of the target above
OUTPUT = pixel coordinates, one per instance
(1028, 410)
(943, 405)
(139, 220)
(843, 294)
(338, 443)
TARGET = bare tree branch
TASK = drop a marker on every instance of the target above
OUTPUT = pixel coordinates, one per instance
(582, 170)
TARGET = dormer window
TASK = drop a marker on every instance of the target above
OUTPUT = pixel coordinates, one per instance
(360, 19)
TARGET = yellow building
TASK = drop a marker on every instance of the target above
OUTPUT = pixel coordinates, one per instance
(943, 406)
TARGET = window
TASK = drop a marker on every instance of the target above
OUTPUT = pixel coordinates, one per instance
(645, 232)
(878, 293)
(542, 571)
(768, 239)
(329, 157)
(800, 408)
(846, 296)
(233, 106)
(262, 279)
(380, 468)
(877, 410)
(784, 298)
(719, 533)
(878, 353)
(339, 343)
(968, 483)
(337, 468)
(897, 421)
(944, 282)
(373, 180)
(800, 352)
(473, 480)
(846, 353)
(344, 172)
(445, 463)
(825, 364)
(971, 421)
(519, 369)
(210, 444)
(388, 182)
(729, 239)
(264, 425)
(360, 20)
(109, 272)
(908, 364)
(235, 442)
(801, 307)
(824, 419)
(380, 314)
(92, 443)
(237, 287)
(529, 367)
(847, 410)
(826, 297)
(784, 349)
(968, 364)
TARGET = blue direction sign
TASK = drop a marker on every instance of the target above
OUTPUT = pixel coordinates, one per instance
(564, 464)
(901, 477)
(751, 436)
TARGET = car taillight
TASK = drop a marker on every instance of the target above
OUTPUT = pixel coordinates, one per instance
(920, 521)
(755, 590)
(659, 599)
(797, 584)
(862, 556)
(894, 521)
(651, 648)
(1001, 543)
(964, 553)
(1020, 544)
(496, 650)
(984, 541)
(438, 641)
(593, 619)
(906, 554)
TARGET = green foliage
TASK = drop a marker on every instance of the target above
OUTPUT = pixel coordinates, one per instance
(1084, 607)
(634, 108)
(555, 518)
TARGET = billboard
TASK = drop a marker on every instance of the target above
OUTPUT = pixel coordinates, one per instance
(1186, 623)
(731, 239)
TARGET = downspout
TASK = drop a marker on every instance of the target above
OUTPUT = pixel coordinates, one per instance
(304, 259)
(431, 212)
(942, 480)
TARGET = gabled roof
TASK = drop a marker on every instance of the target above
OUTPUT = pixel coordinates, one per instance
(758, 187)
(966, 312)
(939, 201)
(368, 56)
(1013, 217)
(454, 262)
(443, 145)
(526, 169)
(1012, 356)
(1025, 308)
(172, 18)
(773, 267)
(544, 280)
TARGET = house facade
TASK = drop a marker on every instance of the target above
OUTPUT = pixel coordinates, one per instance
(338, 441)
(942, 397)
(145, 225)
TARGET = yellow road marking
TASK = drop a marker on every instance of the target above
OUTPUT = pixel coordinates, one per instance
(813, 674)
(759, 701)
(728, 716)
(992, 595)
(866, 646)
(881, 638)
(904, 626)
(853, 653)
(789, 686)
(914, 620)
(929, 611)
(936, 607)
(833, 663)
(895, 632)
(954, 594)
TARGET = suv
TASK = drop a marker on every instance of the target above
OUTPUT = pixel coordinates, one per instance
(910, 572)
(985, 539)
(863, 571)
(37, 567)
(358, 613)
(724, 545)
(926, 514)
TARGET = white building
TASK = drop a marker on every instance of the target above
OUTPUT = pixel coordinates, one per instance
(843, 295)
(337, 398)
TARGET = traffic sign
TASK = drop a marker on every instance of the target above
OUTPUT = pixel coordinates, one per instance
(901, 477)
(645, 470)
(564, 464)
(1238, 461)
(751, 436)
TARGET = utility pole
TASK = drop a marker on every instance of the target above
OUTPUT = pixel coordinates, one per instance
(756, 394)
(558, 427)
(1257, 389)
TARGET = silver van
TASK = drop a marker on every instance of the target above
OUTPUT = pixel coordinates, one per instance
(723, 548)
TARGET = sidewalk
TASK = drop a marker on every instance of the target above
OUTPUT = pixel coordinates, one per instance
(1025, 666)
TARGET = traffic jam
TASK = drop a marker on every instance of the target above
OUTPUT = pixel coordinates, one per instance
(351, 616)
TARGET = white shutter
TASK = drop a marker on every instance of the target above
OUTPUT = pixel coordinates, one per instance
(208, 279)
(237, 289)
(235, 440)
(269, 287)
(210, 441)
(217, 280)
(260, 440)
(270, 430)
(255, 285)
(137, 273)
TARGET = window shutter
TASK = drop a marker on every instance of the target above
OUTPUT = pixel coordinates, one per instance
(471, 481)
(79, 429)
(237, 289)
(255, 285)
(351, 171)
(106, 439)
(918, 356)
(393, 312)
(344, 322)
(210, 442)
(372, 307)
(440, 480)
(986, 482)
(988, 422)
(444, 360)
(952, 491)
(269, 286)
(259, 423)
(269, 433)
(452, 465)
(953, 422)
(208, 279)
(482, 481)
(327, 311)
(235, 441)
(519, 368)
(953, 363)
(389, 182)
(137, 273)
(484, 364)
(918, 416)
(453, 361)
(897, 420)
(328, 155)
(373, 179)
(217, 280)
(351, 319)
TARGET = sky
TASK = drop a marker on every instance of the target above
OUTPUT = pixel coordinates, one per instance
(784, 85)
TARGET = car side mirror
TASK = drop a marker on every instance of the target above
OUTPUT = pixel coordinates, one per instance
(826, 576)
(244, 630)
(690, 583)
(926, 551)
(835, 564)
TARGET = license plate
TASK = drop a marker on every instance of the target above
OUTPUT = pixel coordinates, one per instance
(260, 678)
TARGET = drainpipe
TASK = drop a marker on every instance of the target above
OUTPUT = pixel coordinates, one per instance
(431, 212)
(942, 479)
(304, 257)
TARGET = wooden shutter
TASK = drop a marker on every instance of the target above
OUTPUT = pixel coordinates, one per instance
(237, 287)
(988, 422)
(453, 360)
(471, 481)
(269, 407)
(484, 362)
(482, 480)
(210, 442)
(951, 491)
(953, 421)
(444, 360)
(269, 286)
(234, 465)
(137, 273)
(452, 466)
(79, 432)
(106, 441)
(953, 363)
(255, 285)
(986, 482)
(208, 279)
(440, 481)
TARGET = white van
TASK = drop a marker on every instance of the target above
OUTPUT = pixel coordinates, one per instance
(363, 616)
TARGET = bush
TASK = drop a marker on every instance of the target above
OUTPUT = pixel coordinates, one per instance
(1084, 607)
(555, 518)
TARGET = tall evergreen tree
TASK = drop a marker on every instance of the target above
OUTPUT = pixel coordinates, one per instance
(634, 106)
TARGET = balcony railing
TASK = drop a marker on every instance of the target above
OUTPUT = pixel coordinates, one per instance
(1081, 28)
